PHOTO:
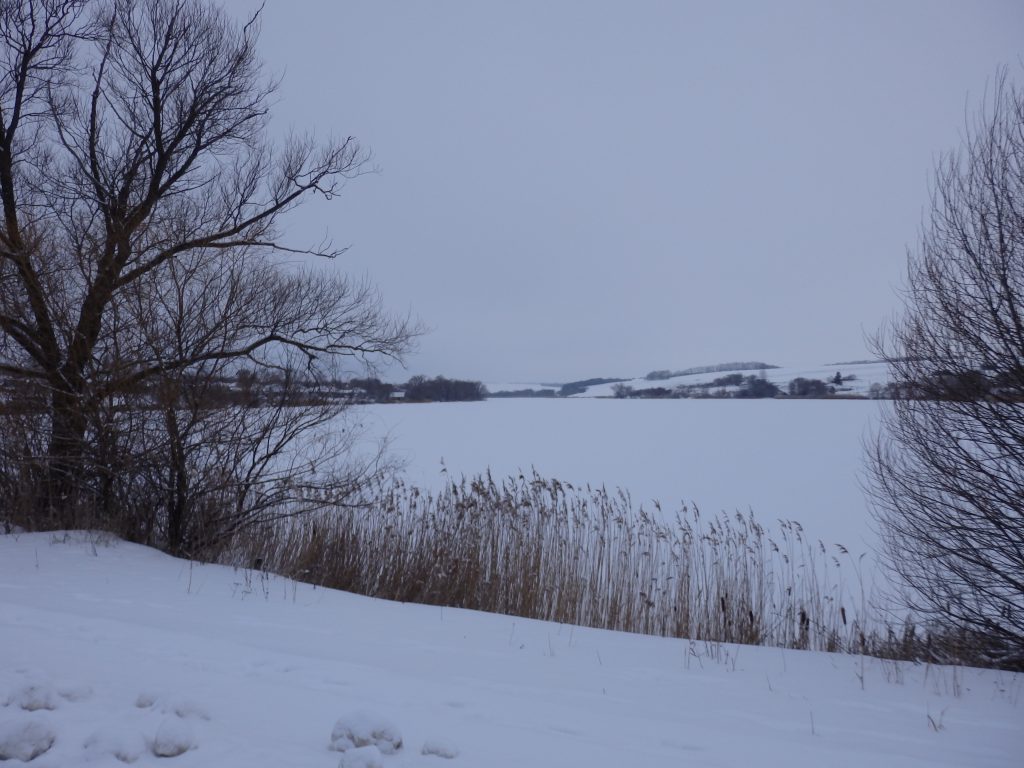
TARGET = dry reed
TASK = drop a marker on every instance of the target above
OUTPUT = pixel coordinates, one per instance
(544, 549)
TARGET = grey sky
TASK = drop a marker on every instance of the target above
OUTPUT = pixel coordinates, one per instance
(575, 189)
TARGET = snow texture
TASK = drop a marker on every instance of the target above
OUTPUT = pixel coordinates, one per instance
(75, 693)
(271, 674)
(33, 697)
(174, 737)
(362, 757)
(440, 748)
(361, 729)
(123, 745)
(24, 738)
(187, 708)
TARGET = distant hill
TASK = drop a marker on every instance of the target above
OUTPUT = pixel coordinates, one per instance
(858, 377)
(579, 387)
(720, 368)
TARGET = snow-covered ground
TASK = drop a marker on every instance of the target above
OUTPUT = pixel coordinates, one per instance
(113, 653)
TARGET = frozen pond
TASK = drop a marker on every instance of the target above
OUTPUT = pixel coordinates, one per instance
(793, 459)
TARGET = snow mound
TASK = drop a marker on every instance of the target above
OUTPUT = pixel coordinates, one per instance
(75, 693)
(186, 708)
(362, 757)
(25, 739)
(440, 748)
(362, 729)
(125, 746)
(34, 697)
(183, 708)
(174, 737)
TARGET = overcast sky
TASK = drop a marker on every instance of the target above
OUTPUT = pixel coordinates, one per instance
(575, 189)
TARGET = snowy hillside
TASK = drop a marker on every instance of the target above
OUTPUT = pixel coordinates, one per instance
(857, 378)
(114, 654)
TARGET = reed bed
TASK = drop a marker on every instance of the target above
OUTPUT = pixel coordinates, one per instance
(540, 548)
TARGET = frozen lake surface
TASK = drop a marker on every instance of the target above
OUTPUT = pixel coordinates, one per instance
(800, 460)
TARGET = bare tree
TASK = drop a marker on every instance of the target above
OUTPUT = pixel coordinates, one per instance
(948, 472)
(139, 247)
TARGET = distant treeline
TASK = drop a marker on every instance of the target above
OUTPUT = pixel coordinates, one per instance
(579, 387)
(441, 390)
(563, 390)
(419, 389)
(736, 385)
(253, 389)
(719, 368)
(524, 393)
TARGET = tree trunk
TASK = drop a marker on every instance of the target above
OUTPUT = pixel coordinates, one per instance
(177, 500)
(62, 499)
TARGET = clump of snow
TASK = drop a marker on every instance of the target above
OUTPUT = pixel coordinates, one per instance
(362, 757)
(183, 708)
(124, 745)
(440, 748)
(174, 737)
(75, 693)
(25, 739)
(361, 729)
(34, 697)
(187, 708)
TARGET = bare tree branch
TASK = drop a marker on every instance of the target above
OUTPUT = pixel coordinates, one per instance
(948, 473)
(141, 264)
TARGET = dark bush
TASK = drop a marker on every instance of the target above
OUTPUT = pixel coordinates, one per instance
(732, 380)
(442, 390)
(801, 387)
(579, 387)
(754, 387)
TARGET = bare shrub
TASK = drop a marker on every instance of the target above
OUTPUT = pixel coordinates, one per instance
(947, 473)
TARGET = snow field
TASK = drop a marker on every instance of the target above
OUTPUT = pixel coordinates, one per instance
(160, 654)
